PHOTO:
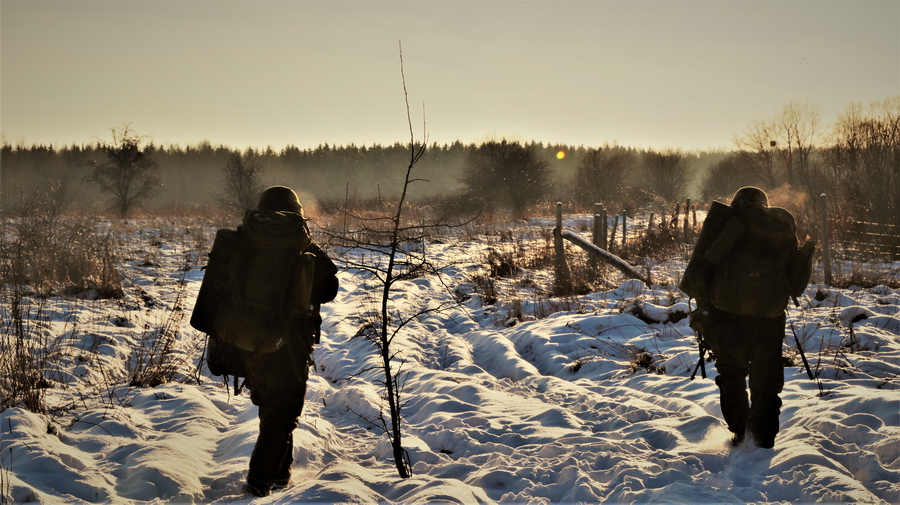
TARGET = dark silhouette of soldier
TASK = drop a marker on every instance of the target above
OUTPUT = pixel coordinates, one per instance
(272, 316)
(744, 268)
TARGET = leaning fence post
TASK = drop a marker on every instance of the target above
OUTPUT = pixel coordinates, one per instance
(826, 242)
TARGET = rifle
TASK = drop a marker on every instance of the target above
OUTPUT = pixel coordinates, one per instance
(800, 347)
(802, 354)
(701, 363)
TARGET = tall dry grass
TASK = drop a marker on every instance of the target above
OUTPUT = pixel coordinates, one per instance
(48, 255)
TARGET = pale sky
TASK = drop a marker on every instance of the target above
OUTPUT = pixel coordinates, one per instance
(673, 73)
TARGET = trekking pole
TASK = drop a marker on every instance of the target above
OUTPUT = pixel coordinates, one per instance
(701, 347)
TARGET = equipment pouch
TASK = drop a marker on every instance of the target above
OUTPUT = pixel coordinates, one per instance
(702, 318)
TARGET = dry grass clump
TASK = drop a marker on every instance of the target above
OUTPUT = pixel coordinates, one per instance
(60, 255)
(45, 253)
(214, 216)
(163, 350)
(866, 275)
(23, 358)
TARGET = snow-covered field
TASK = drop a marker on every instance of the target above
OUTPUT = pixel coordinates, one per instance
(527, 400)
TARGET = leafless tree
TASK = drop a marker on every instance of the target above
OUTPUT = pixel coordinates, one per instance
(601, 175)
(863, 158)
(666, 174)
(796, 130)
(779, 150)
(757, 150)
(384, 238)
(130, 173)
(243, 181)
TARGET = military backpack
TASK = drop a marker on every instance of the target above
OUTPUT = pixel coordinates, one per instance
(254, 299)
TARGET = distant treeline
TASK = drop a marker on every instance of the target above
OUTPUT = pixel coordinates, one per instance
(193, 175)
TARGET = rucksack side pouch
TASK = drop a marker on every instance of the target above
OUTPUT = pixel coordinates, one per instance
(703, 317)
(215, 280)
(223, 358)
(299, 298)
(731, 233)
(800, 269)
(699, 272)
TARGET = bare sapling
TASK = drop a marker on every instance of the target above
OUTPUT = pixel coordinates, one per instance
(383, 239)
(392, 382)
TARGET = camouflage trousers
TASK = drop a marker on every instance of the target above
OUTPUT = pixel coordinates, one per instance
(277, 384)
(748, 346)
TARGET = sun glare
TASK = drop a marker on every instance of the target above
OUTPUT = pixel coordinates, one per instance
(560, 155)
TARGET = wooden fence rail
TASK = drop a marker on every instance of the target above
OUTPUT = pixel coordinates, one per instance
(862, 239)
(605, 256)
(875, 239)
(596, 251)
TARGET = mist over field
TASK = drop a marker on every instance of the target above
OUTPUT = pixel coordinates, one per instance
(792, 153)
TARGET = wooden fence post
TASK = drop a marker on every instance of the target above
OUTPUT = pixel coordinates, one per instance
(687, 222)
(624, 228)
(604, 220)
(826, 242)
(612, 235)
(563, 276)
(674, 224)
(596, 236)
(557, 237)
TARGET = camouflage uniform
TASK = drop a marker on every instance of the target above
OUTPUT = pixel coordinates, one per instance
(745, 338)
(276, 377)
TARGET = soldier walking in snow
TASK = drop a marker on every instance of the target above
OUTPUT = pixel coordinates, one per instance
(744, 267)
(260, 304)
